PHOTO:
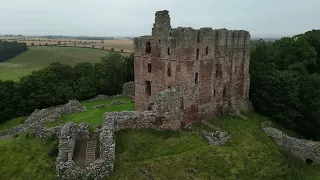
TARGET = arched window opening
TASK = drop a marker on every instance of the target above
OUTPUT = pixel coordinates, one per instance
(196, 78)
(309, 161)
(148, 48)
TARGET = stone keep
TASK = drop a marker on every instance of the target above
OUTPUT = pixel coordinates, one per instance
(211, 66)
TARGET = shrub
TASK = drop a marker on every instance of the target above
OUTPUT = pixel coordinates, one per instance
(121, 50)
(46, 44)
(32, 44)
(112, 49)
(102, 48)
(54, 150)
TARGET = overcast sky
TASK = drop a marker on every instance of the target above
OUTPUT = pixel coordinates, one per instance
(263, 18)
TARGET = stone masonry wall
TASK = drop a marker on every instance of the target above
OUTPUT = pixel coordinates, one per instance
(128, 89)
(303, 149)
(211, 66)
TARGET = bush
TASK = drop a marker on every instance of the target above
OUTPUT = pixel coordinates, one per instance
(46, 44)
(54, 150)
(112, 49)
(30, 135)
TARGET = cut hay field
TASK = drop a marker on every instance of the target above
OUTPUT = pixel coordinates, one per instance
(122, 44)
(42, 56)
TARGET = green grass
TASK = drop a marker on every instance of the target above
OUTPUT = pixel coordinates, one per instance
(92, 116)
(152, 154)
(11, 123)
(249, 154)
(26, 158)
(42, 56)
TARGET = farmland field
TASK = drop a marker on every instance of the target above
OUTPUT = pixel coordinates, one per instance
(42, 56)
(122, 44)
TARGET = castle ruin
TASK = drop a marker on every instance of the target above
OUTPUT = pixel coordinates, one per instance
(211, 66)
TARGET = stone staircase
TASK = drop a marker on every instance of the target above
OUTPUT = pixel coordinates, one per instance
(90, 152)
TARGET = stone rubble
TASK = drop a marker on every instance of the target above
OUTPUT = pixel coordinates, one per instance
(114, 103)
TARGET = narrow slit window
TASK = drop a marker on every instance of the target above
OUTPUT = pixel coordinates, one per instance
(149, 67)
(198, 37)
(196, 78)
(169, 51)
(169, 72)
(207, 50)
(197, 56)
(148, 88)
(224, 92)
(148, 48)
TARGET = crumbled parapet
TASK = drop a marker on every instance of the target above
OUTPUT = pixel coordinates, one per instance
(128, 89)
(306, 150)
(83, 131)
(218, 137)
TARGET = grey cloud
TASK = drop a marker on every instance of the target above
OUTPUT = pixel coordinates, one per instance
(135, 17)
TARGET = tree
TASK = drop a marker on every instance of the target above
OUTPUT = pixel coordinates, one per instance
(32, 44)
(285, 84)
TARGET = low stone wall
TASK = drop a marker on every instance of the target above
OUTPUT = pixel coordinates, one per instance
(114, 103)
(101, 97)
(36, 120)
(306, 150)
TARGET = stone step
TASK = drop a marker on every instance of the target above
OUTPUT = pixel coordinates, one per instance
(90, 152)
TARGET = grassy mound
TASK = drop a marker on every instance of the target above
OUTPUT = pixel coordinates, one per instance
(151, 154)
(42, 56)
(25, 157)
(249, 154)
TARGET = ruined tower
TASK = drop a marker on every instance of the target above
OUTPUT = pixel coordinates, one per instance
(211, 66)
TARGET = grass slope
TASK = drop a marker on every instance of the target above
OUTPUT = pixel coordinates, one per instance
(249, 154)
(26, 158)
(151, 154)
(39, 57)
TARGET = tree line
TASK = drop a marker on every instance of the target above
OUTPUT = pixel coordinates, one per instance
(285, 82)
(59, 83)
(11, 49)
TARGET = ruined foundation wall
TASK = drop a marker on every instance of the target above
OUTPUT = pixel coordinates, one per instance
(303, 149)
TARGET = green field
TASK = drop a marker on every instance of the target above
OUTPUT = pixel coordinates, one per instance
(151, 154)
(42, 56)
